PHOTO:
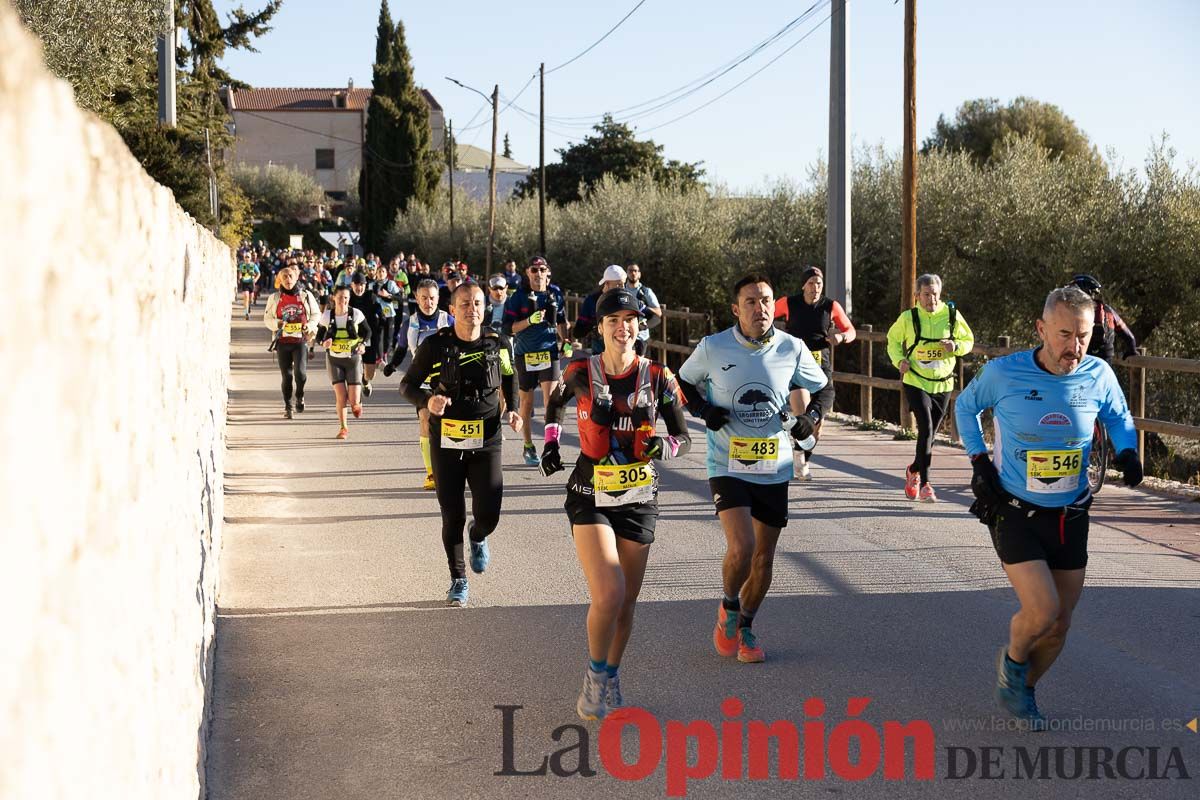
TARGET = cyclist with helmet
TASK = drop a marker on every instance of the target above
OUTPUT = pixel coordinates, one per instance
(821, 323)
(612, 494)
(1108, 326)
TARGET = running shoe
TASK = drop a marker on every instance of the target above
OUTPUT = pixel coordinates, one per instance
(247, 315)
(1010, 685)
(725, 634)
(366, 388)
(590, 705)
(531, 456)
(429, 483)
(927, 494)
(911, 481)
(613, 698)
(749, 651)
(801, 471)
(343, 433)
(299, 405)
(1035, 718)
(356, 409)
(480, 556)
(287, 412)
(457, 596)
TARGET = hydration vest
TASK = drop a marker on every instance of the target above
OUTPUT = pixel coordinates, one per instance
(350, 332)
(456, 381)
(643, 409)
(290, 311)
(919, 339)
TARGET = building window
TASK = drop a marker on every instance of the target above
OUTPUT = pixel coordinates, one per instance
(324, 158)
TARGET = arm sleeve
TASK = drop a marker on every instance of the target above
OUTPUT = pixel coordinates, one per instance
(269, 313)
(964, 339)
(1114, 413)
(418, 372)
(979, 396)
(670, 408)
(323, 326)
(896, 340)
(1124, 334)
(842, 322)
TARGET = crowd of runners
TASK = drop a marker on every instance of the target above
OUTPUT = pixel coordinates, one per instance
(476, 350)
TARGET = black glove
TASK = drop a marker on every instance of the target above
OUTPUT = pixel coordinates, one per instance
(388, 369)
(801, 427)
(551, 461)
(1130, 465)
(985, 482)
(602, 411)
(714, 417)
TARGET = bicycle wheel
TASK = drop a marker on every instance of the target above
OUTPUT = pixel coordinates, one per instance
(1097, 459)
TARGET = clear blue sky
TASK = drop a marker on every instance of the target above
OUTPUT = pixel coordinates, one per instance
(1125, 72)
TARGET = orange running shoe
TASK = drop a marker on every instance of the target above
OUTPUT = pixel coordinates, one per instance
(357, 410)
(343, 433)
(725, 634)
(911, 481)
(749, 651)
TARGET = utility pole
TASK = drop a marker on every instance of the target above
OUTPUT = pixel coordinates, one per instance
(838, 269)
(908, 258)
(450, 168)
(166, 67)
(492, 180)
(542, 161)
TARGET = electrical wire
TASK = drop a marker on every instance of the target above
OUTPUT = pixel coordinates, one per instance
(598, 41)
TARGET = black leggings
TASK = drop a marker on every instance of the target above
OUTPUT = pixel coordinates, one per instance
(929, 409)
(292, 357)
(454, 470)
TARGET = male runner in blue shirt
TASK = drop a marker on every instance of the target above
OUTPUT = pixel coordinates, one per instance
(738, 381)
(1034, 495)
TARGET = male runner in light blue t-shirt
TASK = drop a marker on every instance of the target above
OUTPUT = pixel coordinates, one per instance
(738, 381)
(1045, 404)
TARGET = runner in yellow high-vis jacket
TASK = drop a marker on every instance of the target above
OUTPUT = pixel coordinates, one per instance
(923, 344)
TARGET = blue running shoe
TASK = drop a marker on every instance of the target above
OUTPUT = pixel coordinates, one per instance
(531, 456)
(480, 556)
(457, 596)
(1010, 685)
(1035, 718)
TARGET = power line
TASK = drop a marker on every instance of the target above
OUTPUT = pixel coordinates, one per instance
(506, 107)
(598, 41)
(742, 82)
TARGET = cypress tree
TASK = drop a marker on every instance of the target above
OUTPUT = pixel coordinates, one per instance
(398, 165)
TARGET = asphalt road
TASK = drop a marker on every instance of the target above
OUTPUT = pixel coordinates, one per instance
(341, 674)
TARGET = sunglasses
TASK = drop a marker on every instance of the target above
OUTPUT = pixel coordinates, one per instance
(539, 269)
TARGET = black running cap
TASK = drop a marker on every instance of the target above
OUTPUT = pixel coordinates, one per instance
(615, 300)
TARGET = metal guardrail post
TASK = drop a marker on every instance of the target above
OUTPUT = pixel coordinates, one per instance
(866, 393)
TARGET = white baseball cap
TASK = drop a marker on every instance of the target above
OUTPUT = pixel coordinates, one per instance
(614, 273)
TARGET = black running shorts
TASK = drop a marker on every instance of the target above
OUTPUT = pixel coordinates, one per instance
(1057, 537)
(528, 380)
(768, 502)
(633, 522)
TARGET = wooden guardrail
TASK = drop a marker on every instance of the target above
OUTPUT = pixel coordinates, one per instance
(682, 328)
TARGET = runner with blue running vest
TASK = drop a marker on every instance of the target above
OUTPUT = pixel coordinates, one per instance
(1033, 493)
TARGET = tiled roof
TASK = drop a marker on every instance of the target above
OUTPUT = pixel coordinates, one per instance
(279, 99)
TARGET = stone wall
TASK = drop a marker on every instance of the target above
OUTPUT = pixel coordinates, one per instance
(112, 410)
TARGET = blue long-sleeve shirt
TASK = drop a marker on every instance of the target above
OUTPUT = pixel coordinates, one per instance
(1044, 423)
